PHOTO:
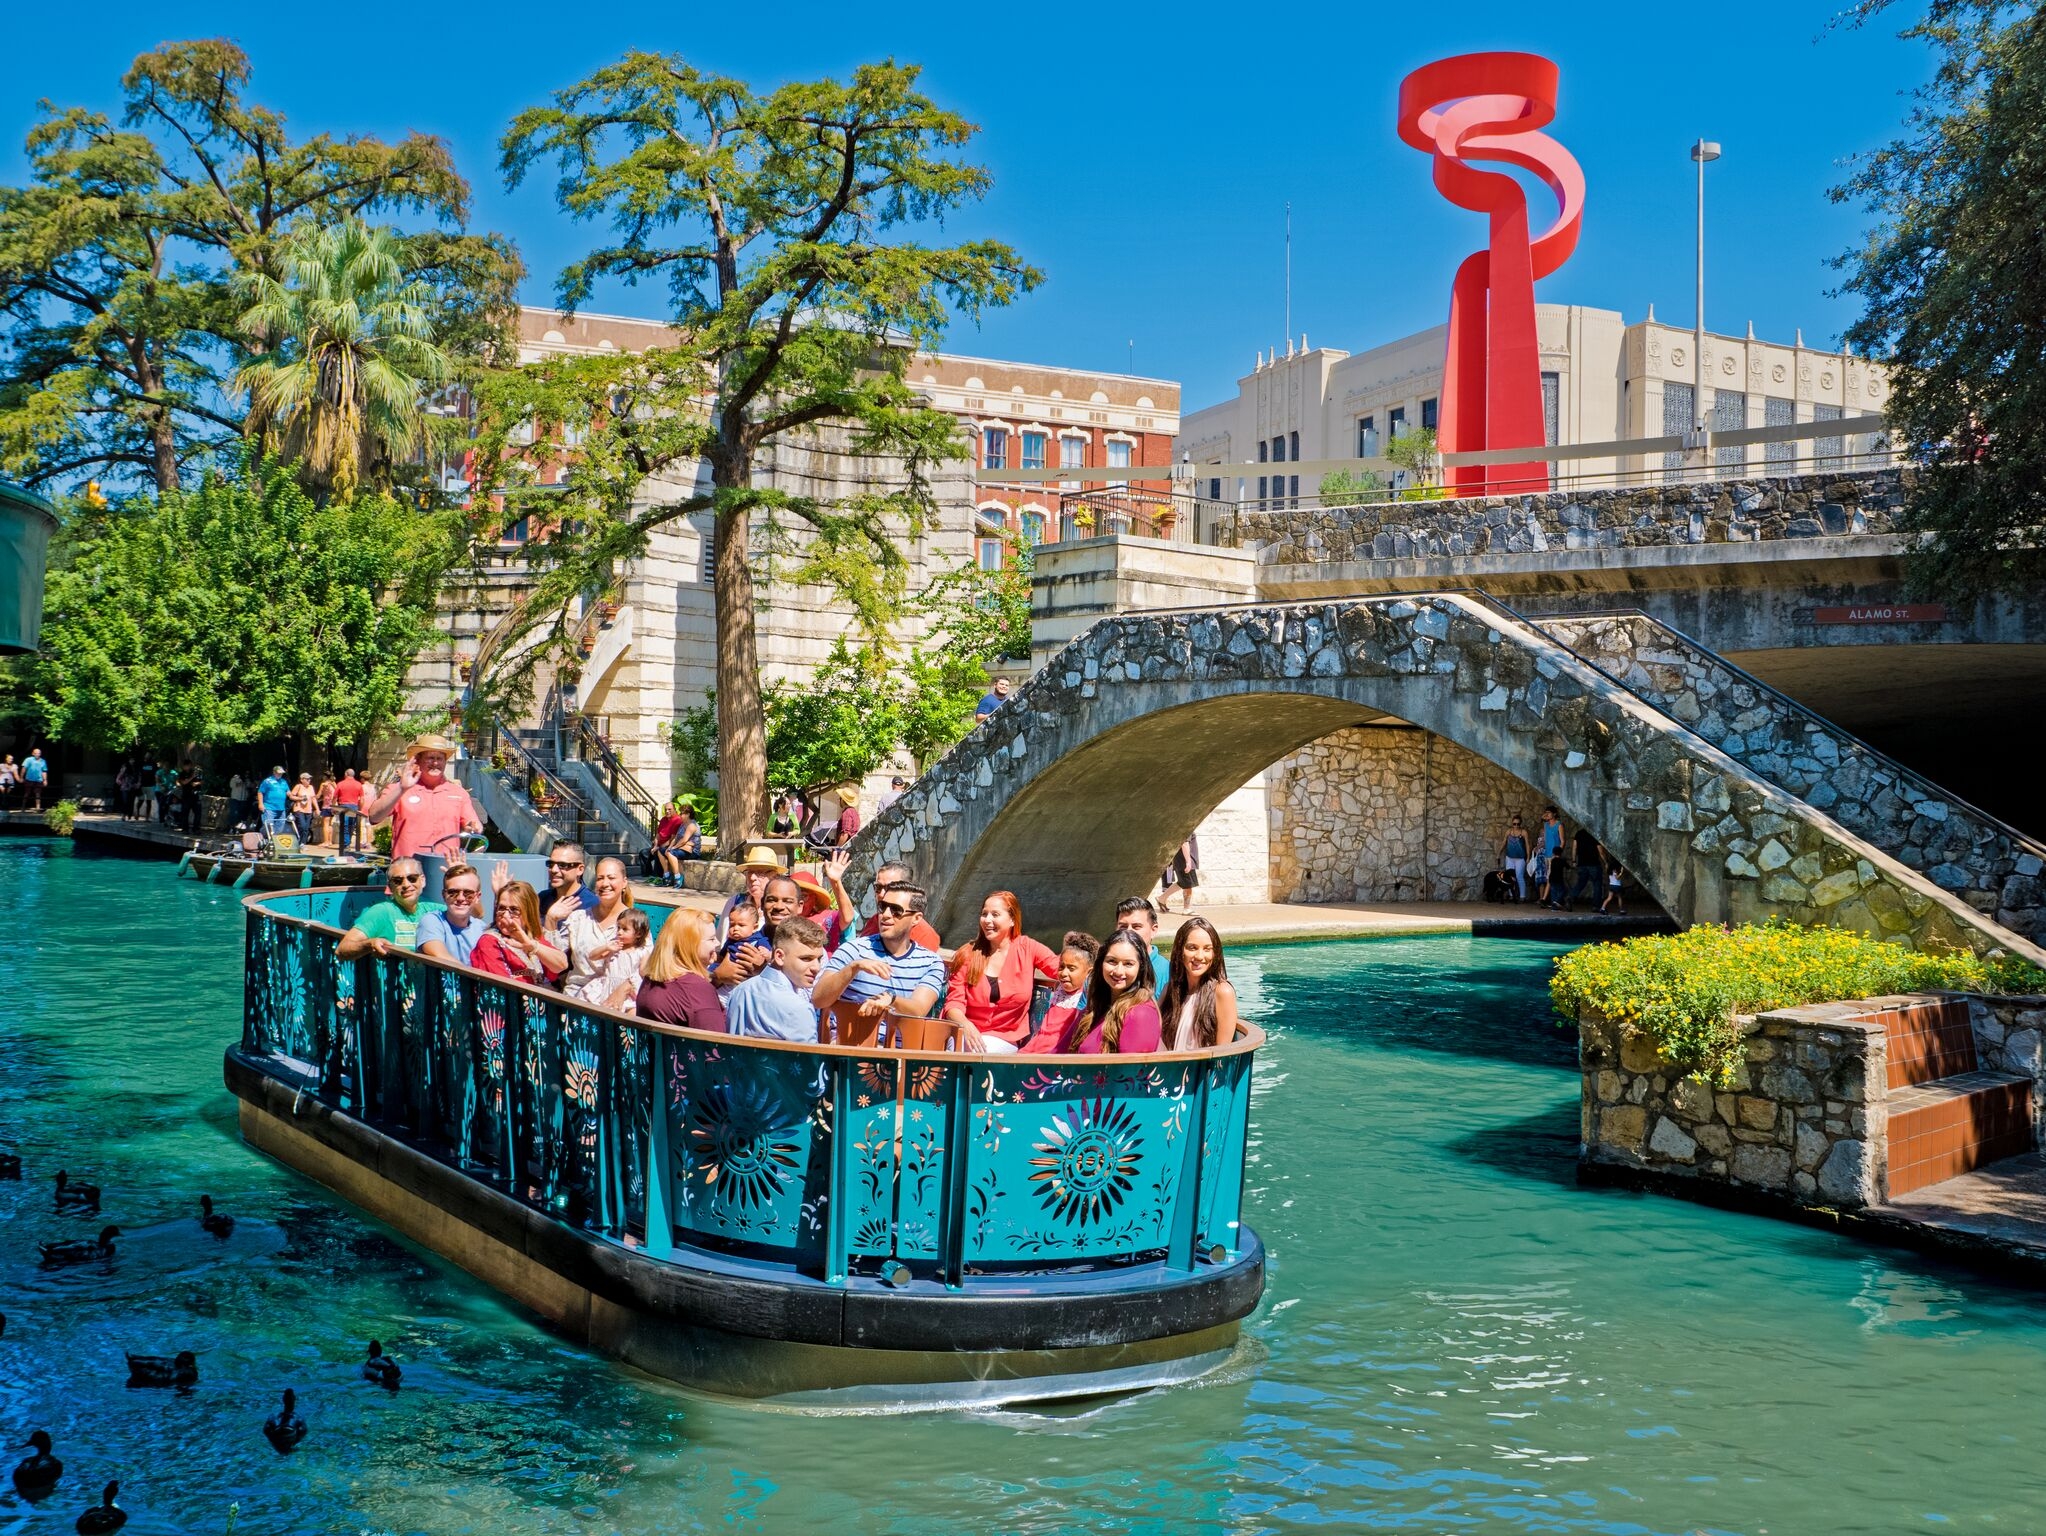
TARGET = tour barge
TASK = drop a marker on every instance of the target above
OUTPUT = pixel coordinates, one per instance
(807, 1224)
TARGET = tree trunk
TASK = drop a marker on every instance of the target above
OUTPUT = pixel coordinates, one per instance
(742, 724)
(163, 442)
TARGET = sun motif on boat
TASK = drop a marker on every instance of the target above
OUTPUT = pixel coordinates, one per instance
(1086, 1162)
(737, 1144)
(579, 1078)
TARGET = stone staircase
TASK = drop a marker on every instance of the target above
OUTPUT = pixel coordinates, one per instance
(578, 815)
(1947, 1115)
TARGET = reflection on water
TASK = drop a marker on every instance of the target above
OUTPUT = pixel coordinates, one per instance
(1455, 1337)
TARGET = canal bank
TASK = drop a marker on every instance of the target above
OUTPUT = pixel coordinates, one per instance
(1455, 1334)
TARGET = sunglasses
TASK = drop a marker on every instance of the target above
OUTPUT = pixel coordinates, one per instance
(891, 909)
(461, 890)
(408, 879)
(558, 864)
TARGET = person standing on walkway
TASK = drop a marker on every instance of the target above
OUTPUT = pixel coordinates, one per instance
(1513, 855)
(428, 811)
(1590, 860)
(347, 811)
(304, 801)
(35, 774)
(237, 801)
(10, 780)
(325, 793)
(1550, 834)
(1182, 874)
(1615, 904)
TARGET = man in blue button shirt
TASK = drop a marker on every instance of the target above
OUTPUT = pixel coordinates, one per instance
(888, 969)
(274, 796)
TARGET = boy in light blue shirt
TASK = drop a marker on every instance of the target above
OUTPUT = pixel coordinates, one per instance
(775, 1004)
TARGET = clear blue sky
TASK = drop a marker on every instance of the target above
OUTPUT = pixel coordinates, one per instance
(1142, 158)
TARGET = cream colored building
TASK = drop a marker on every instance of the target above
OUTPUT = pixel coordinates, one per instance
(1603, 380)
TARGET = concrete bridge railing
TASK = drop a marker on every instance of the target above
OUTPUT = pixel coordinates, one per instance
(1993, 867)
(1076, 791)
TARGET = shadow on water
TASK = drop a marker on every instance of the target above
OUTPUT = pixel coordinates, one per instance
(1498, 1013)
(1542, 1147)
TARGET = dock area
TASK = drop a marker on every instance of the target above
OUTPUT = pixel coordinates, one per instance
(146, 839)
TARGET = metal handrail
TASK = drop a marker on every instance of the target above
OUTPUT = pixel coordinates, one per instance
(625, 788)
(530, 768)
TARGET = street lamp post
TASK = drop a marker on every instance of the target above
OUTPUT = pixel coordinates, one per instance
(1702, 151)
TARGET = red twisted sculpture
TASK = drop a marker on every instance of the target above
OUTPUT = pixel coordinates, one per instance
(1492, 106)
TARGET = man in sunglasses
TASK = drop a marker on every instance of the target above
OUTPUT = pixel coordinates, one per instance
(885, 970)
(392, 923)
(886, 878)
(451, 933)
(566, 893)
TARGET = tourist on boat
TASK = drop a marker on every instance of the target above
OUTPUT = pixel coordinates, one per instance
(826, 901)
(392, 923)
(274, 796)
(324, 832)
(347, 811)
(675, 985)
(35, 777)
(453, 934)
(745, 925)
(590, 935)
(304, 801)
(618, 963)
(1199, 1003)
(776, 1004)
(1068, 1004)
(428, 811)
(889, 970)
(1138, 915)
(1513, 853)
(760, 865)
(514, 947)
(900, 874)
(991, 979)
(1121, 1017)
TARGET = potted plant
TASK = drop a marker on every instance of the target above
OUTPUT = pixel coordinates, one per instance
(1166, 520)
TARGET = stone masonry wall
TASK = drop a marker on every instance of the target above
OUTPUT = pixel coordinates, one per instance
(2009, 1032)
(1384, 813)
(1805, 1117)
(1705, 512)
(1994, 868)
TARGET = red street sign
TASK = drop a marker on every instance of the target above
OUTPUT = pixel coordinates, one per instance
(1891, 613)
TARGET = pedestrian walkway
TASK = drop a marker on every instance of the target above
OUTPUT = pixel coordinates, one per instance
(1276, 922)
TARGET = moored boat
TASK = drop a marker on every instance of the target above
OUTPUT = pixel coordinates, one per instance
(277, 873)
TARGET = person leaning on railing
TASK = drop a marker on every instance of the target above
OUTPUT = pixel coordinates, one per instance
(889, 971)
(454, 932)
(392, 923)
(1121, 1016)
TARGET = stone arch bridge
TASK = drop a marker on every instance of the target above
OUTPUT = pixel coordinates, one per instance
(1077, 790)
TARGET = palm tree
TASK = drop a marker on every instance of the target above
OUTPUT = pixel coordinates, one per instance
(350, 356)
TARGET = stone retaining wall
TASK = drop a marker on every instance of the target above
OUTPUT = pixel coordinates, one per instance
(2009, 1032)
(1804, 1118)
(1992, 867)
(1706, 512)
(1385, 813)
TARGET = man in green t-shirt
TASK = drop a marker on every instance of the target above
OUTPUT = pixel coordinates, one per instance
(392, 923)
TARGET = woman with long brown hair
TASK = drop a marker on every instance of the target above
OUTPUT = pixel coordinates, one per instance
(1120, 1018)
(993, 977)
(515, 947)
(675, 985)
(1199, 1005)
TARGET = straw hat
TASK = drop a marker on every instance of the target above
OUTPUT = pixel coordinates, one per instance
(761, 857)
(430, 743)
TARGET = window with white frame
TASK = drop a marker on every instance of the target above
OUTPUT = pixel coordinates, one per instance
(1033, 450)
(994, 448)
(992, 524)
(1072, 452)
(1033, 526)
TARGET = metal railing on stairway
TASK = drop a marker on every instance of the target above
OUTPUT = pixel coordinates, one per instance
(583, 734)
(522, 772)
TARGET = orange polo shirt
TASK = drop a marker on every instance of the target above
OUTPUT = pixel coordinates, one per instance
(425, 817)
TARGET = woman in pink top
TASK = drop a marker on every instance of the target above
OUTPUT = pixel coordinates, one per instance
(1122, 1018)
(992, 978)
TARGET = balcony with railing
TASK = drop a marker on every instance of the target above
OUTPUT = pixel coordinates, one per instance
(877, 1220)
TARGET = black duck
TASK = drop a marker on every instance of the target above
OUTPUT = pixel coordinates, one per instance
(179, 1370)
(285, 1429)
(80, 1250)
(103, 1516)
(380, 1367)
(38, 1474)
(10, 1165)
(211, 1220)
(75, 1197)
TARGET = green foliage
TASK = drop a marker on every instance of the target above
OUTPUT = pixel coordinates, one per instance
(61, 817)
(1413, 451)
(1684, 990)
(240, 611)
(842, 725)
(1954, 283)
(349, 355)
(1349, 488)
(772, 219)
(117, 259)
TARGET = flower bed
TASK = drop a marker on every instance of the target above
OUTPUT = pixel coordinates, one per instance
(1685, 991)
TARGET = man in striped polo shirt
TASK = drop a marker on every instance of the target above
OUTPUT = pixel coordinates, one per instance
(888, 969)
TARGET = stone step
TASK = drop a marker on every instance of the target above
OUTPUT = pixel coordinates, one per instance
(1954, 1125)
(1929, 1039)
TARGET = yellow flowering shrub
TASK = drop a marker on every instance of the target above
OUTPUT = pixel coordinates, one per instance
(1684, 990)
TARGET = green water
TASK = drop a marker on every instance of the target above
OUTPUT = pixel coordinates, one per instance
(1454, 1336)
